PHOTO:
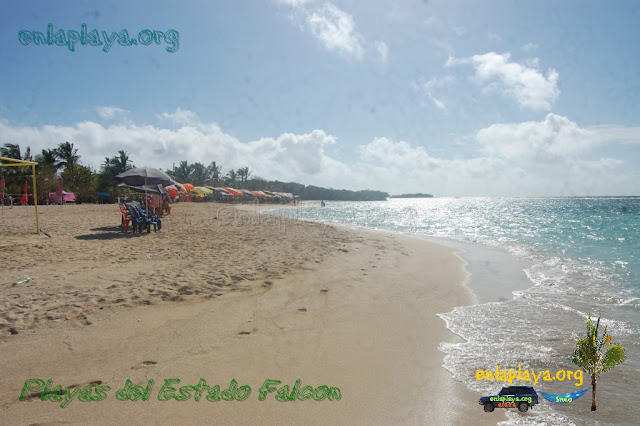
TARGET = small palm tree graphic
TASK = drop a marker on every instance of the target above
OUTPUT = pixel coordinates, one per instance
(590, 357)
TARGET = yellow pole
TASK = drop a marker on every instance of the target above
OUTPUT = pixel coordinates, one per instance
(35, 196)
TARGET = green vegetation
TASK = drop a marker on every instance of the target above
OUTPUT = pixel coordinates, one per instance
(590, 357)
(63, 164)
(418, 195)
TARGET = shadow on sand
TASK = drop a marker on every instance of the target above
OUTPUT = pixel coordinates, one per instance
(109, 233)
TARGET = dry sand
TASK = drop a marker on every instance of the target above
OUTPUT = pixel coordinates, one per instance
(220, 294)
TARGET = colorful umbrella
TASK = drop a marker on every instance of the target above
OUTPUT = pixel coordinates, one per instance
(201, 190)
(188, 186)
(233, 191)
(25, 197)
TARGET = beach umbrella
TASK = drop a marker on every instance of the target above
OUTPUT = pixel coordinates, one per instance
(178, 186)
(233, 191)
(188, 186)
(201, 190)
(144, 177)
(151, 189)
(173, 190)
(25, 197)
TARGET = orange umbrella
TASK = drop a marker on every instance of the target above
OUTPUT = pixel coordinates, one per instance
(188, 186)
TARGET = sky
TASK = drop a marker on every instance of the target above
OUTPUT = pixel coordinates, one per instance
(452, 98)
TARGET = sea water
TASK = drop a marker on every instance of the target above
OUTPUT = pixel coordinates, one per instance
(582, 257)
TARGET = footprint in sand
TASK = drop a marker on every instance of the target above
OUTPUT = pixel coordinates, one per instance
(245, 332)
(324, 290)
(143, 364)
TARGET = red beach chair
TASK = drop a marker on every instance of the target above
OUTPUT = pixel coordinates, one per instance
(126, 218)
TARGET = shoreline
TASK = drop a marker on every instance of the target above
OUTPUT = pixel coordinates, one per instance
(373, 333)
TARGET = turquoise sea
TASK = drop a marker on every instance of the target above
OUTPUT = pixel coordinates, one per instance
(582, 257)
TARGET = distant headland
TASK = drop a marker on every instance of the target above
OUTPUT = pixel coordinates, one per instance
(418, 195)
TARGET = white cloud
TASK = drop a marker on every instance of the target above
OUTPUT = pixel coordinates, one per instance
(452, 61)
(438, 103)
(554, 140)
(109, 112)
(293, 3)
(335, 29)
(428, 88)
(438, 82)
(460, 31)
(529, 47)
(383, 50)
(528, 86)
(617, 133)
(288, 157)
(180, 117)
(551, 157)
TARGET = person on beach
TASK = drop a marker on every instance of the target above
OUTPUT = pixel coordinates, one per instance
(322, 203)
(154, 203)
(166, 207)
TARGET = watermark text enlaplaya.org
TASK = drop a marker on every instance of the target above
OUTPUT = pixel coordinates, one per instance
(72, 37)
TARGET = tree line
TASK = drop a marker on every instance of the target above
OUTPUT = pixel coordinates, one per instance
(63, 164)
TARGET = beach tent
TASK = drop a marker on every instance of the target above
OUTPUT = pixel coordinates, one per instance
(102, 196)
(12, 162)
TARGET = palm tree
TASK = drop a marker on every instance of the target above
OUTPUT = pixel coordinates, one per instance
(243, 174)
(215, 172)
(182, 173)
(49, 158)
(121, 163)
(14, 179)
(68, 159)
(199, 174)
(232, 176)
(588, 354)
(12, 150)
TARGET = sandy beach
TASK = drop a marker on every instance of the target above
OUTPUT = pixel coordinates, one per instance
(224, 294)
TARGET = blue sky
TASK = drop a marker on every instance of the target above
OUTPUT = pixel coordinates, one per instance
(454, 98)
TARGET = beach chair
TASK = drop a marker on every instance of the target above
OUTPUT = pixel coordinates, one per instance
(126, 218)
(139, 220)
(151, 218)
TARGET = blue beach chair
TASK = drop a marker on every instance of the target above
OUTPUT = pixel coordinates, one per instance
(140, 221)
(152, 217)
